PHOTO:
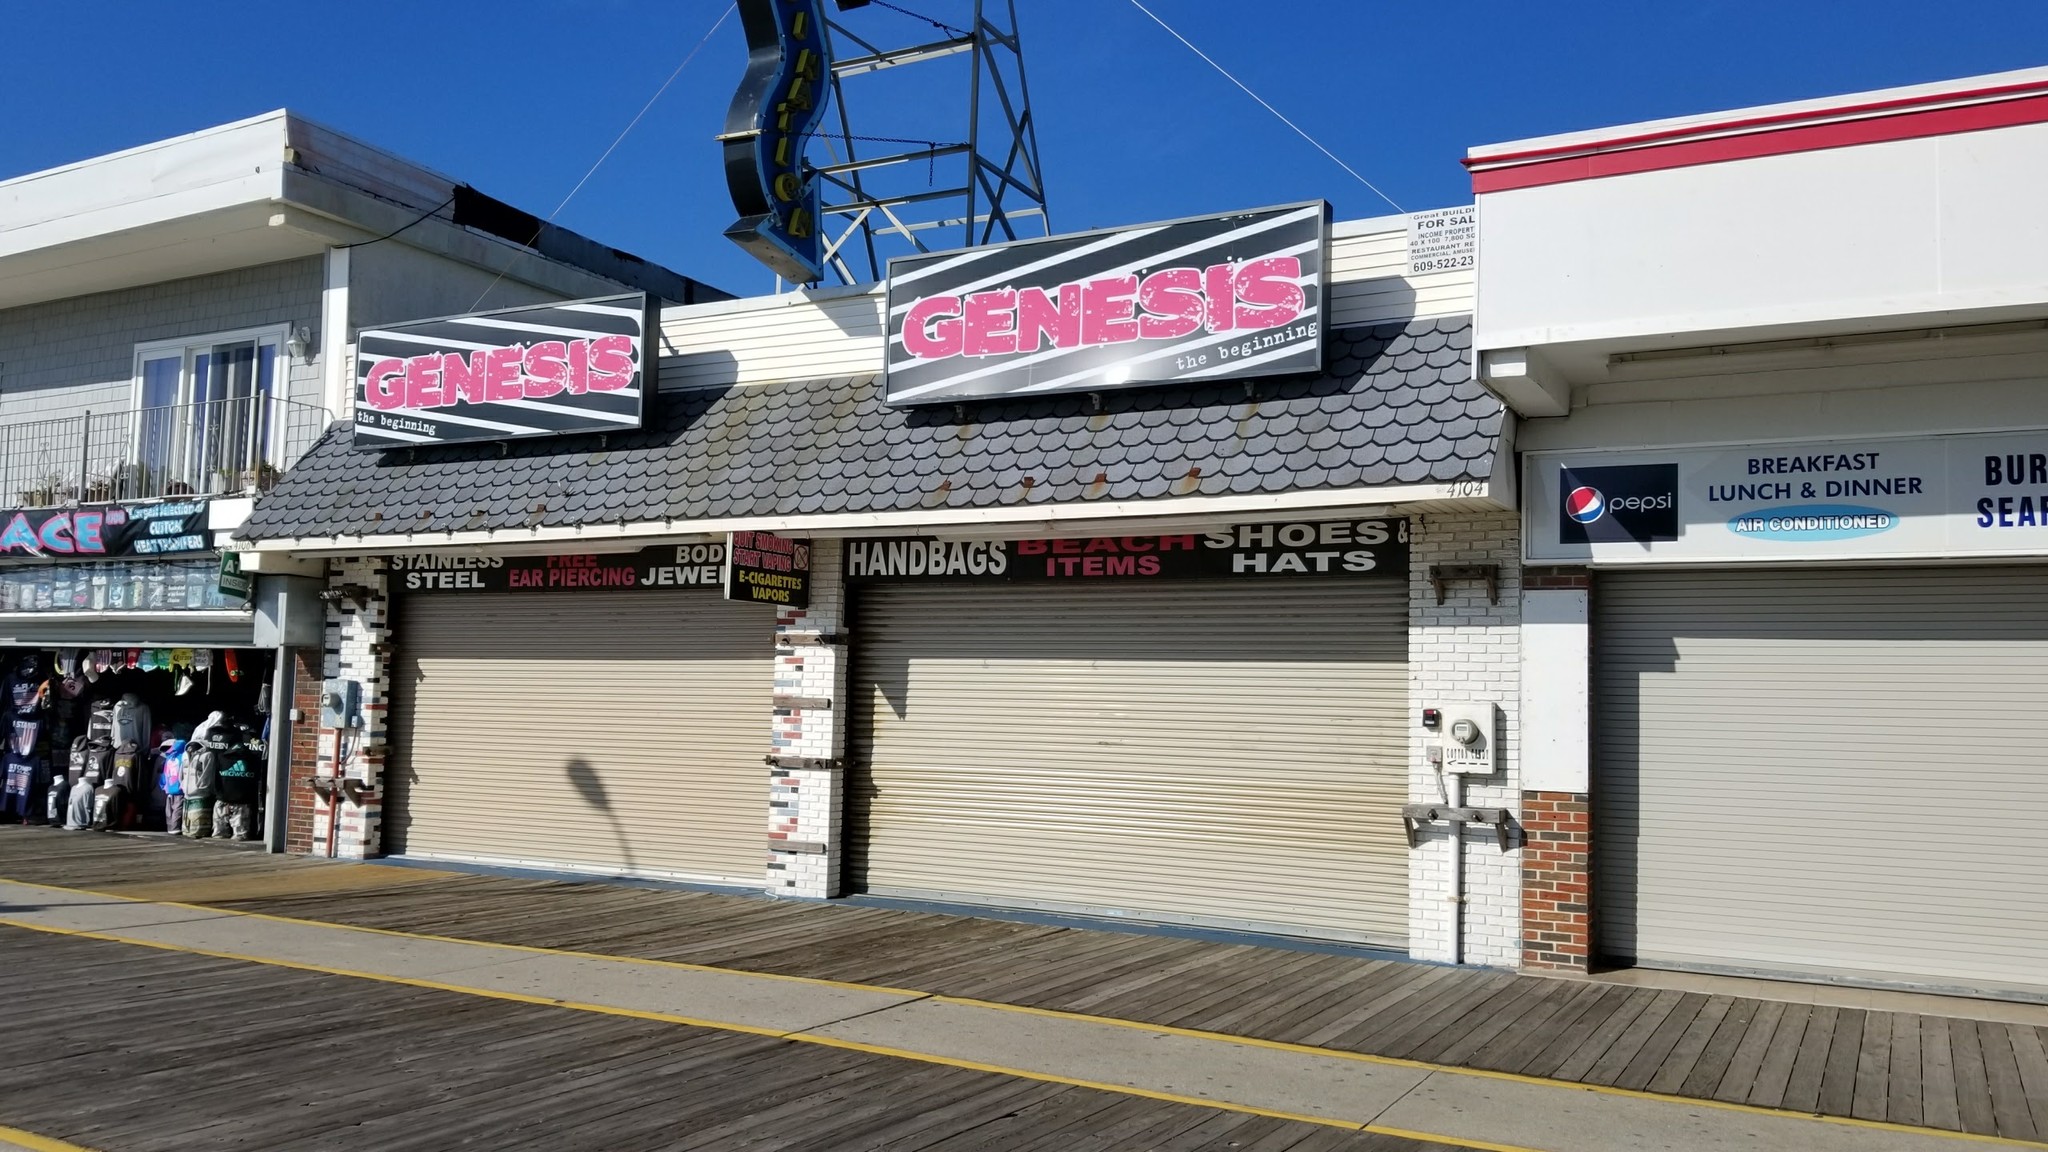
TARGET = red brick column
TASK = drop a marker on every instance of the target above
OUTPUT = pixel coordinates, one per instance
(305, 751)
(1557, 921)
(1537, 578)
(1556, 880)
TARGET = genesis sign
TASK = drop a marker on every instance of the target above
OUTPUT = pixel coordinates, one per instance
(1222, 296)
(1928, 497)
(542, 370)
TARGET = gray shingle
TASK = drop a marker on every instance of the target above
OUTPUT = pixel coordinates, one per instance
(1398, 405)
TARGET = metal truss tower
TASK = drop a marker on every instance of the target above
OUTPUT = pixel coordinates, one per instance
(962, 184)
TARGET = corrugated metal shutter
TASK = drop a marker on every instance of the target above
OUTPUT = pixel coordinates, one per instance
(1195, 752)
(1825, 771)
(620, 731)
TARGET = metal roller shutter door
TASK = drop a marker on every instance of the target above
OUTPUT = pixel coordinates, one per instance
(1195, 752)
(613, 731)
(1825, 772)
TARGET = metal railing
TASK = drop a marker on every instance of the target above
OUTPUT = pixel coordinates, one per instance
(212, 448)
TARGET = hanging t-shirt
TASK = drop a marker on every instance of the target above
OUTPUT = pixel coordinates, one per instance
(239, 767)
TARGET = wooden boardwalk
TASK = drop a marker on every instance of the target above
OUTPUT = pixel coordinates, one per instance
(1964, 1075)
(132, 1050)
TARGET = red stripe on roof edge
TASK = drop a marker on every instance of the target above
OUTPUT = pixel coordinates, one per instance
(1781, 119)
(1589, 162)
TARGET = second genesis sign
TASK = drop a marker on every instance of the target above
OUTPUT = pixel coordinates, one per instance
(1221, 296)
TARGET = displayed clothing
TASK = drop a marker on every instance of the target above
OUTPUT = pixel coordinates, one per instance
(233, 821)
(105, 738)
(131, 721)
(24, 696)
(170, 779)
(78, 806)
(198, 817)
(17, 797)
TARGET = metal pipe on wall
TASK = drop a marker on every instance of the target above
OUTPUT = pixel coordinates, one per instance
(279, 752)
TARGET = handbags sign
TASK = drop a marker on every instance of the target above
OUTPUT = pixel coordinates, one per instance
(544, 370)
(1222, 296)
(1363, 548)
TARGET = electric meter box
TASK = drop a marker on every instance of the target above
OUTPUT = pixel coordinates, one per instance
(1468, 738)
(340, 700)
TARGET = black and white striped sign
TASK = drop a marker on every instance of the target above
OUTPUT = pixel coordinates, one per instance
(1231, 296)
(542, 370)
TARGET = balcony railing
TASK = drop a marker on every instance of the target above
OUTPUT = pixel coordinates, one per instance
(214, 448)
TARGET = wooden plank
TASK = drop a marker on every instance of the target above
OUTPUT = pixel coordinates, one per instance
(1802, 1089)
(1103, 997)
(1973, 1090)
(1870, 1088)
(2030, 1056)
(1615, 1060)
(1270, 1016)
(1903, 1098)
(1644, 1066)
(1456, 1013)
(1696, 1064)
(1392, 1030)
(1333, 1021)
(1537, 1001)
(1250, 997)
(1576, 1063)
(2009, 1105)
(1362, 979)
(1939, 1107)
(1544, 1034)
(1544, 1061)
(1838, 1080)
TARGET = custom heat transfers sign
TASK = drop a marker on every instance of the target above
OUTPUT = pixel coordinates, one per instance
(1376, 548)
(166, 528)
(1221, 296)
(1910, 498)
(543, 370)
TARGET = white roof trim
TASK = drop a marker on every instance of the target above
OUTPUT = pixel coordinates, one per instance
(1029, 519)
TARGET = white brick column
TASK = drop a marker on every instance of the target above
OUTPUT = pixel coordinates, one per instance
(808, 742)
(358, 648)
(1466, 649)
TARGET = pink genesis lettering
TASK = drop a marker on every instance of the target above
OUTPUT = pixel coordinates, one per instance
(515, 372)
(1166, 305)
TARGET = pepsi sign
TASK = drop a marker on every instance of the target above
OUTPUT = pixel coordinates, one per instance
(1620, 503)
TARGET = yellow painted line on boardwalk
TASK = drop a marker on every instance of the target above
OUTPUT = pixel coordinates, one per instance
(529, 949)
(1053, 1013)
(1490, 1074)
(751, 1030)
(36, 1143)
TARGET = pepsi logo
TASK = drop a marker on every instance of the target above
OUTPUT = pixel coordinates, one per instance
(1585, 504)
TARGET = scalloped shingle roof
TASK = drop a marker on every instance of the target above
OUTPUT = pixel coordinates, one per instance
(1397, 405)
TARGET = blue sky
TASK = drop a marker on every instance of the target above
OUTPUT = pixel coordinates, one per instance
(519, 97)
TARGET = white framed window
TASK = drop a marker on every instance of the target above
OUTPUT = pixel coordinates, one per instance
(203, 413)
